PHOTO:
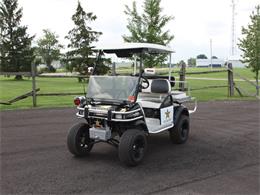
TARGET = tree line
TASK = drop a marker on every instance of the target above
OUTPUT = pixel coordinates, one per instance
(17, 52)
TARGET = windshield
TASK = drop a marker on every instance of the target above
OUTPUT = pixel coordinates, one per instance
(112, 87)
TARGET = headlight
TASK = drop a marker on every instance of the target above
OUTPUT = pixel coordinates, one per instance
(118, 116)
(79, 100)
(133, 115)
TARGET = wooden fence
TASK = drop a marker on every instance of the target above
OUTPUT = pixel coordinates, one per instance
(232, 86)
(229, 71)
(34, 90)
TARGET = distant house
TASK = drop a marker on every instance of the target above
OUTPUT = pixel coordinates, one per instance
(235, 61)
(207, 63)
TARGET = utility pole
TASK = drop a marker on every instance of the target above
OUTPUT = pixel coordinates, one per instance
(210, 53)
(233, 35)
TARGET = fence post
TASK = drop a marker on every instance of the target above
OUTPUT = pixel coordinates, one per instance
(182, 77)
(33, 69)
(230, 80)
(257, 87)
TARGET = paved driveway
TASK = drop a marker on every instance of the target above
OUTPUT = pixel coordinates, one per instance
(221, 156)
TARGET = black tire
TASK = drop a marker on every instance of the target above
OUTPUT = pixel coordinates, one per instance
(78, 140)
(180, 132)
(132, 147)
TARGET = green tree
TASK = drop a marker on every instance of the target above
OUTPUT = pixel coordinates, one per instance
(81, 38)
(48, 48)
(148, 27)
(16, 51)
(192, 61)
(181, 63)
(250, 44)
(202, 56)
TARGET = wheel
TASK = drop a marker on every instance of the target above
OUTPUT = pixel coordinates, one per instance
(78, 140)
(180, 132)
(132, 147)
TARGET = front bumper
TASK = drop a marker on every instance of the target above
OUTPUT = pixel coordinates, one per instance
(109, 115)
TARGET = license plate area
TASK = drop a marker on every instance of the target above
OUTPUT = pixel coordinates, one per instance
(99, 134)
(99, 123)
(99, 130)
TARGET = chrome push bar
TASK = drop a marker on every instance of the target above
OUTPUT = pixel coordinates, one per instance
(81, 114)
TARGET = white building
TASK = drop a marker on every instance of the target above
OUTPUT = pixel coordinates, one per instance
(207, 62)
(235, 61)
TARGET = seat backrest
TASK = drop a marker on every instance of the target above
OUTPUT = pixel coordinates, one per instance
(160, 86)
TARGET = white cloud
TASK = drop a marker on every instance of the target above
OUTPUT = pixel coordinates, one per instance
(195, 23)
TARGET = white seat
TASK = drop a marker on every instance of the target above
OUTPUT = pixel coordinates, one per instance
(149, 104)
(153, 96)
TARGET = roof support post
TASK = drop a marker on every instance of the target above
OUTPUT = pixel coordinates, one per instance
(135, 64)
(141, 63)
(170, 66)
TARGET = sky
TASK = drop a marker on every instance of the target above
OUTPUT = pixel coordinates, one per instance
(194, 23)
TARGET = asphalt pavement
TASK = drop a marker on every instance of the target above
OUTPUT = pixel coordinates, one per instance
(220, 157)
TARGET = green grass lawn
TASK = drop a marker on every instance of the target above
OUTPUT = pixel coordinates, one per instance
(216, 93)
(241, 71)
(245, 72)
(9, 88)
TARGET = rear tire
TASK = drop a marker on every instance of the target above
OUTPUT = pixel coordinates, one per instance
(180, 132)
(78, 141)
(132, 147)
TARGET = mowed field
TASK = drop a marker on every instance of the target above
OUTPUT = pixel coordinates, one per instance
(9, 88)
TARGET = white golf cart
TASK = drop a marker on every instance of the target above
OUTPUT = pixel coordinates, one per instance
(124, 110)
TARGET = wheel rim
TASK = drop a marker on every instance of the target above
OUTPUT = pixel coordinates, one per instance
(184, 130)
(138, 149)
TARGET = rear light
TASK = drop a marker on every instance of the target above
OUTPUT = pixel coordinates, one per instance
(77, 101)
(131, 98)
(80, 100)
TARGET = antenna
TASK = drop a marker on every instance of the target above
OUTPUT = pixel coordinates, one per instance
(233, 28)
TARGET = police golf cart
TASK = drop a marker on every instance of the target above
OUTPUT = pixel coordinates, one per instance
(124, 110)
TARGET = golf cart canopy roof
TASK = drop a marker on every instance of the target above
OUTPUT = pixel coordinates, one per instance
(128, 49)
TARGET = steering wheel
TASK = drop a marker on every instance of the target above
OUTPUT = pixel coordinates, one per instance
(146, 82)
